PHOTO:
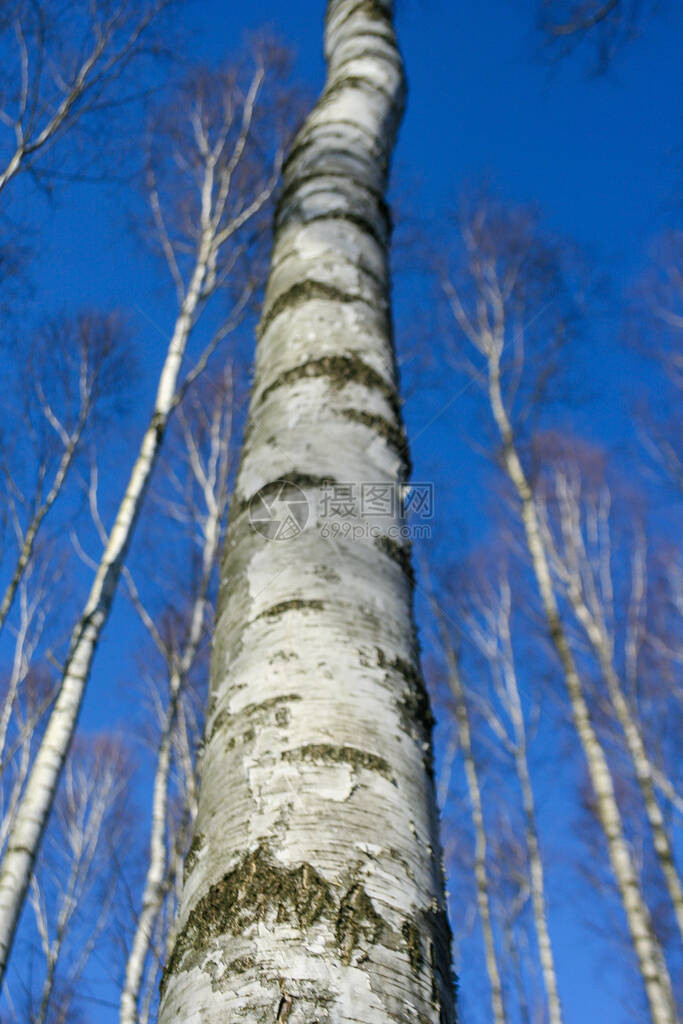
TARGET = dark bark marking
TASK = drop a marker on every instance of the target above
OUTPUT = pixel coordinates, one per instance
(357, 921)
(296, 604)
(411, 937)
(394, 435)
(303, 292)
(444, 983)
(192, 855)
(355, 82)
(255, 889)
(399, 553)
(310, 138)
(375, 53)
(329, 753)
(287, 196)
(304, 481)
(340, 371)
(413, 706)
(372, 8)
(363, 223)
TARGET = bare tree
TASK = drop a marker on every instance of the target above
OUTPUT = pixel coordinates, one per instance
(600, 26)
(28, 689)
(316, 890)
(74, 888)
(54, 81)
(580, 545)
(462, 718)
(225, 200)
(655, 327)
(487, 621)
(505, 265)
(509, 868)
(75, 369)
(200, 507)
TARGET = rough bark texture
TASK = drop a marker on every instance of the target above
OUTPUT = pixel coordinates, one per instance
(313, 886)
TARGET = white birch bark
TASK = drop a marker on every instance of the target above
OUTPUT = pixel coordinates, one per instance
(578, 576)
(313, 887)
(27, 539)
(27, 635)
(491, 632)
(650, 957)
(211, 476)
(223, 210)
(486, 330)
(156, 877)
(477, 813)
(41, 786)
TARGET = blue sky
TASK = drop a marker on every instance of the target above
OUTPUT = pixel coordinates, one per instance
(601, 157)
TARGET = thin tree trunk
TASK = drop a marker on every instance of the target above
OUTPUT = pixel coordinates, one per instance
(313, 883)
(634, 742)
(36, 802)
(537, 880)
(154, 890)
(536, 872)
(29, 539)
(156, 880)
(650, 957)
(480, 872)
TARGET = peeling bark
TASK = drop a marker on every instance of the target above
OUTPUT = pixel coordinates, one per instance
(316, 893)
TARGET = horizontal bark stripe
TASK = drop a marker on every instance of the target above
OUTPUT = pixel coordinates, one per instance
(339, 370)
(303, 292)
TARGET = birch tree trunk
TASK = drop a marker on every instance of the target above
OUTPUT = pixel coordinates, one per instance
(537, 879)
(650, 957)
(491, 632)
(313, 887)
(474, 792)
(498, 255)
(536, 872)
(220, 210)
(36, 802)
(38, 796)
(578, 576)
(211, 476)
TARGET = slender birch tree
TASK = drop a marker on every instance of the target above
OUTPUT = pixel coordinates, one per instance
(580, 554)
(313, 882)
(76, 365)
(200, 262)
(61, 67)
(495, 302)
(28, 692)
(488, 624)
(74, 888)
(206, 437)
(481, 875)
(655, 327)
